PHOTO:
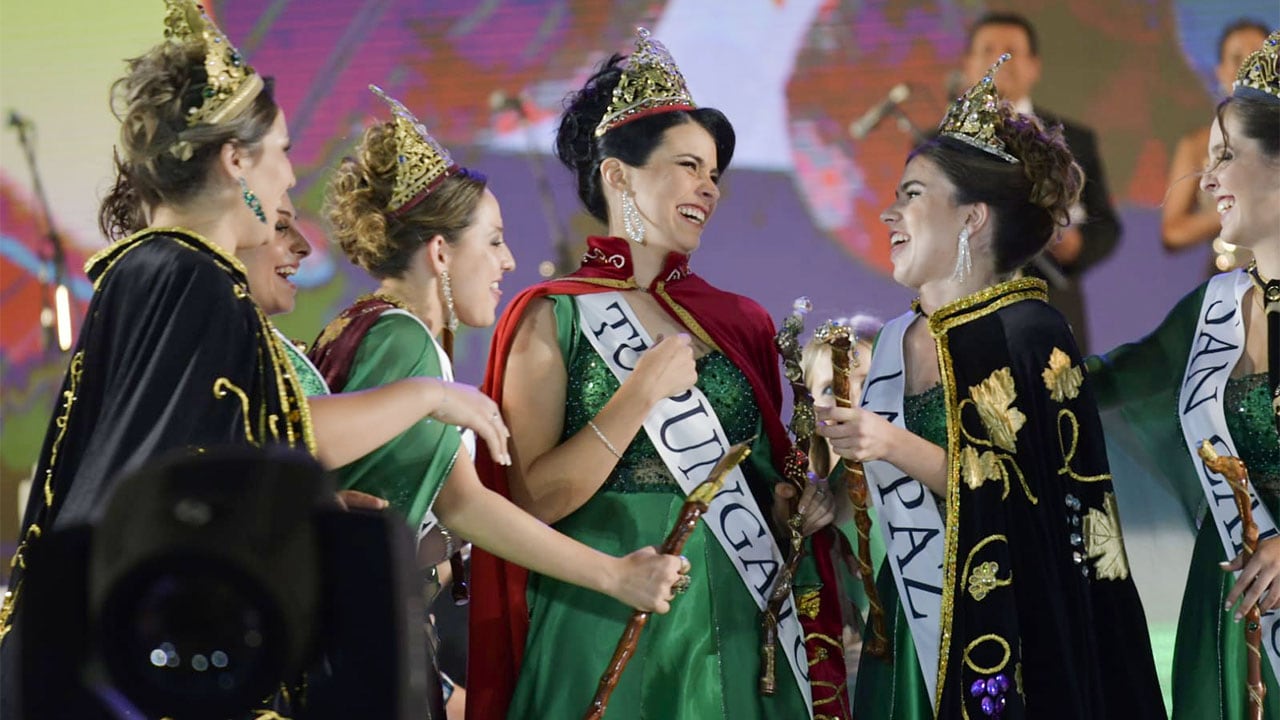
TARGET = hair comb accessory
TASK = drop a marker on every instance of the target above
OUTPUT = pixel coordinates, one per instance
(651, 83)
(422, 162)
(974, 118)
(231, 85)
(1259, 74)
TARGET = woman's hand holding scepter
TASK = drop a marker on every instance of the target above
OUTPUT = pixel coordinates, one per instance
(693, 509)
(840, 338)
(1237, 477)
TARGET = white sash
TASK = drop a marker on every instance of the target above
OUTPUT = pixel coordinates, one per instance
(689, 438)
(914, 532)
(1215, 349)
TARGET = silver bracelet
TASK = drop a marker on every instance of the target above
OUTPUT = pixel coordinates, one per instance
(604, 440)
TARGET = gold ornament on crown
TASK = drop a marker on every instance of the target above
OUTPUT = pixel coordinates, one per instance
(974, 118)
(651, 83)
(422, 163)
(1259, 74)
(232, 85)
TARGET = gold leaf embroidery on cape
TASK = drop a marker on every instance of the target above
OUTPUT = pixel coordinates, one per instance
(332, 331)
(994, 398)
(1061, 378)
(1104, 541)
(976, 468)
(809, 603)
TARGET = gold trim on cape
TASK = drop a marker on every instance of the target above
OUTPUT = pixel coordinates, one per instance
(121, 247)
(953, 314)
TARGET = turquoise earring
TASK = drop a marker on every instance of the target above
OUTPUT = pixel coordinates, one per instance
(252, 201)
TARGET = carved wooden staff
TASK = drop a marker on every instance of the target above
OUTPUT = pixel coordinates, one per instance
(694, 507)
(772, 610)
(1237, 476)
(838, 337)
(796, 471)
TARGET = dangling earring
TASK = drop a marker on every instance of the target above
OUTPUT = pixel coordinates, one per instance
(252, 201)
(964, 260)
(451, 318)
(631, 222)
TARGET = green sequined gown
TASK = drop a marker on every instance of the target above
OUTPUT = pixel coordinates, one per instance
(895, 689)
(1139, 384)
(309, 378)
(1208, 637)
(698, 662)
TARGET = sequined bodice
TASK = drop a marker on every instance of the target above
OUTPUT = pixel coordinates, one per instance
(641, 469)
(926, 415)
(1249, 420)
(310, 382)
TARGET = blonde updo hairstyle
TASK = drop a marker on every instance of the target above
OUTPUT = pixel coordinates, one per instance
(378, 240)
(1031, 200)
(159, 159)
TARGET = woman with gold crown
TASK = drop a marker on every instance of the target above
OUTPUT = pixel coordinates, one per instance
(173, 353)
(348, 426)
(623, 383)
(1211, 371)
(431, 233)
(1006, 572)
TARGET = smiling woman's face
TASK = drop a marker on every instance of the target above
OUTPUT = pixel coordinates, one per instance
(270, 266)
(923, 223)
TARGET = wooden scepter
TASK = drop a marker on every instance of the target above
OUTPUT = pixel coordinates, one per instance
(694, 507)
(841, 341)
(796, 471)
(1237, 476)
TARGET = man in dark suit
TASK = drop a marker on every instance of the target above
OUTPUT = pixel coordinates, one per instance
(1095, 227)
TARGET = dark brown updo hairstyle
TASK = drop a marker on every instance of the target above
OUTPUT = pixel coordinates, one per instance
(1031, 200)
(378, 240)
(633, 142)
(159, 159)
(1259, 120)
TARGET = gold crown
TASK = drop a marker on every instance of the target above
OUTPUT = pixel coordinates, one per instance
(1259, 75)
(231, 85)
(650, 83)
(974, 117)
(422, 163)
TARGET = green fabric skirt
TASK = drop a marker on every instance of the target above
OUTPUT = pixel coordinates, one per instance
(892, 689)
(698, 662)
(1209, 661)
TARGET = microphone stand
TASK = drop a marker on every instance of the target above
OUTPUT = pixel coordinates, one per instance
(52, 317)
(905, 125)
(562, 260)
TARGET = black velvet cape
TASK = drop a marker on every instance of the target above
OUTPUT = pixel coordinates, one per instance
(173, 354)
(1037, 594)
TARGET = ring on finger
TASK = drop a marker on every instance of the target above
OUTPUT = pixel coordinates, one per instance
(682, 584)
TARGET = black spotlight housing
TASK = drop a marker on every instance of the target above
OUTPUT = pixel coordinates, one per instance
(213, 580)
